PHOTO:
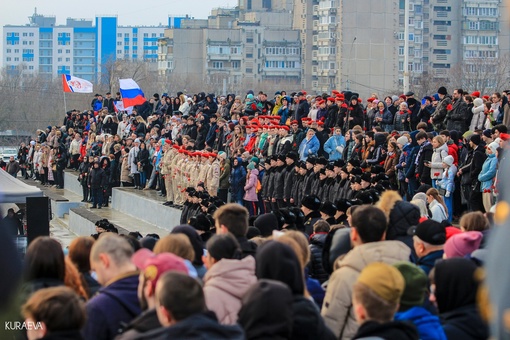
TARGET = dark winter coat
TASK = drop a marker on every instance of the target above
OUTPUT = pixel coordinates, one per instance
(114, 305)
(200, 326)
(143, 323)
(316, 270)
(310, 220)
(387, 331)
(403, 216)
(456, 118)
(237, 180)
(97, 178)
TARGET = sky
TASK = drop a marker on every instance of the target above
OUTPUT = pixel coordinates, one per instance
(129, 12)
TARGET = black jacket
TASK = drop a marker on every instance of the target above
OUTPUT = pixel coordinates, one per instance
(290, 177)
(464, 323)
(403, 216)
(310, 220)
(479, 157)
(202, 326)
(308, 323)
(145, 322)
(388, 331)
(422, 170)
(316, 268)
(97, 178)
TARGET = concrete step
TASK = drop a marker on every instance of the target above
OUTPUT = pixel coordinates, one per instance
(145, 205)
(71, 181)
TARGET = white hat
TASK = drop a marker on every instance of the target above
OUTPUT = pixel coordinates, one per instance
(493, 146)
(402, 140)
(32, 142)
(137, 140)
(448, 160)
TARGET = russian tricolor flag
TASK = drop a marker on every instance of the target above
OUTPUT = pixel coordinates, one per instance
(75, 84)
(131, 93)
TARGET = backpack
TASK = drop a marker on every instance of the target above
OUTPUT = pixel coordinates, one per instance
(258, 187)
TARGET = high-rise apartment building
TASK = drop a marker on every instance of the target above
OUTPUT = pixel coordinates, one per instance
(80, 47)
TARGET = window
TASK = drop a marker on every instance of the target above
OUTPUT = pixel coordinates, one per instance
(217, 64)
(249, 70)
(401, 66)
(411, 36)
(30, 42)
(418, 39)
(8, 59)
(68, 51)
(59, 59)
(59, 51)
(31, 34)
(400, 35)
(236, 64)
(68, 59)
(119, 43)
(146, 35)
(401, 50)
(25, 34)
(119, 35)
(8, 50)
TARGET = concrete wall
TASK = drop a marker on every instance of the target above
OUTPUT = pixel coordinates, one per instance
(71, 182)
(145, 209)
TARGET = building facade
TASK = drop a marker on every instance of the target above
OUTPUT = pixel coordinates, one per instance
(80, 47)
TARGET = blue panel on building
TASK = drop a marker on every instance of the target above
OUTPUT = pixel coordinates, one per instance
(150, 48)
(85, 30)
(46, 29)
(135, 30)
(177, 22)
(150, 39)
(108, 38)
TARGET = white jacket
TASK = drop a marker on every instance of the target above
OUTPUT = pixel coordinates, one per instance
(436, 163)
(478, 115)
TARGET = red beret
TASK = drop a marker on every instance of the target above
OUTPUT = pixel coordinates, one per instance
(475, 94)
(320, 102)
(403, 96)
(168, 141)
(212, 154)
(320, 123)
(304, 93)
(335, 92)
(486, 97)
(294, 122)
(331, 99)
(245, 118)
(285, 127)
(254, 129)
(277, 117)
(371, 99)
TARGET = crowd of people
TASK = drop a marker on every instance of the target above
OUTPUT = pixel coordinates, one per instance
(302, 217)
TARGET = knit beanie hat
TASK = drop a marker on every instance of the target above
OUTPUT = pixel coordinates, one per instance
(463, 244)
(415, 284)
(476, 139)
(384, 280)
(402, 140)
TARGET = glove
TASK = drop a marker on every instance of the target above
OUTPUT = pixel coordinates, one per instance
(447, 194)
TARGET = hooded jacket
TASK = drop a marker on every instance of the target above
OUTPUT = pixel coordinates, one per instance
(267, 311)
(456, 290)
(250, 188)
(113, 306)
(237, 180)
(316, 269)
(277, 261)
(224, 286)
(486, 176)
(337, 309)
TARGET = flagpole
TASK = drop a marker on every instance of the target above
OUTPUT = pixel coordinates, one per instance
(65, 104)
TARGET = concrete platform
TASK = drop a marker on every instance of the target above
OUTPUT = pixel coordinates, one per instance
(145, 205)
(82, 222)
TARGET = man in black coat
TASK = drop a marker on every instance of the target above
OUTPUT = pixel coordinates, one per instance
(303, 108)
(183, 313)
(96, 183)
(475, 201)
(290, 177)
(424, 156)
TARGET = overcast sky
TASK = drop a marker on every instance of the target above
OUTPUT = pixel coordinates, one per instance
(129, 12)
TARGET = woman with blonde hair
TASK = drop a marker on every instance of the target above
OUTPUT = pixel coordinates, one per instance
(180, 245)
(437, 206)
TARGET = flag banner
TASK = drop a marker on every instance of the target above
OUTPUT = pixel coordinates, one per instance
(119, 106)
(77, 85)
(131, 93)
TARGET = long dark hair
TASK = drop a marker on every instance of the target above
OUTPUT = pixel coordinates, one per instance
(44, 259)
